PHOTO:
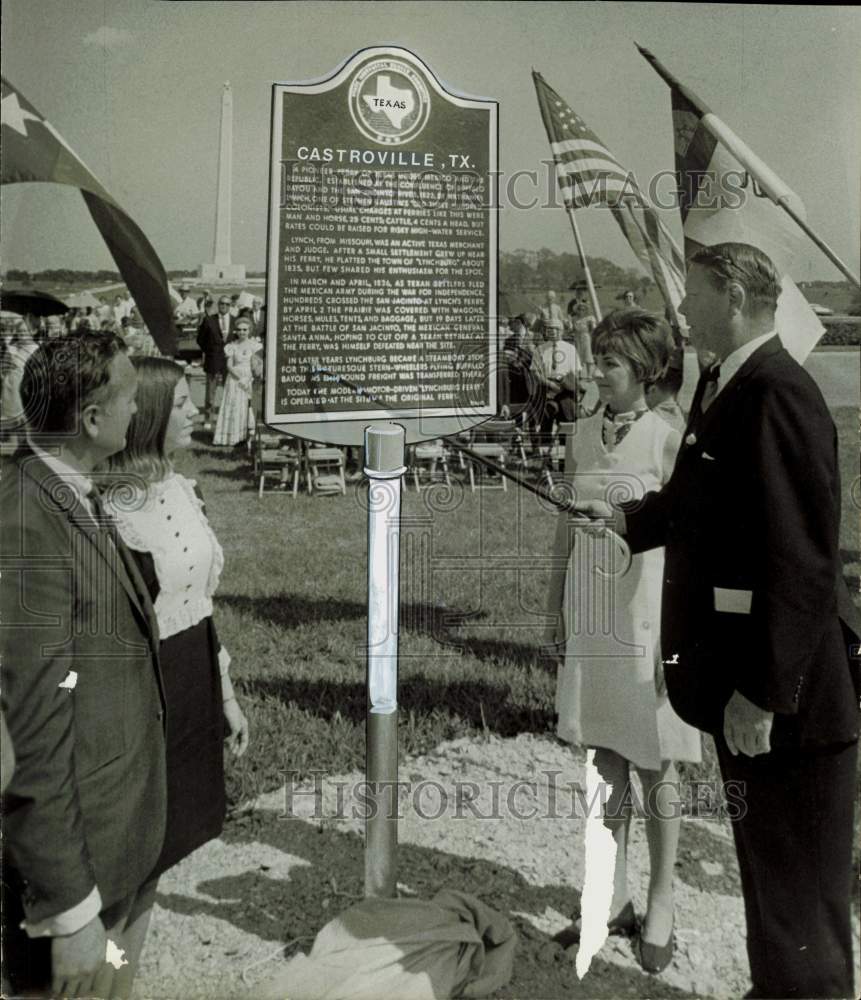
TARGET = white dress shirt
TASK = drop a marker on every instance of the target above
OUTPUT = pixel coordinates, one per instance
(732, 362)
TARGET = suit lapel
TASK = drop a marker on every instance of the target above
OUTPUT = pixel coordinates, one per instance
(728, 392)
(108, 545)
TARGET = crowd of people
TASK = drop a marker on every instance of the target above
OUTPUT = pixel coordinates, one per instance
(732, 619)
(218, 325)
(547, 370)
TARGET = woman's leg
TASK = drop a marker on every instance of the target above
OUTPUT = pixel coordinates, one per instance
(663, 822)
(615, 771)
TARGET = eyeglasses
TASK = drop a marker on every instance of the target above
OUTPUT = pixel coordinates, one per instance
(224, 302)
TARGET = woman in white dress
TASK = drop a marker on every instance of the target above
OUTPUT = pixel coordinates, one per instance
(234, 426)
(610, 692)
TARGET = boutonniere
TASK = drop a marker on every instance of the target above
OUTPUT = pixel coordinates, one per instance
(691, 439)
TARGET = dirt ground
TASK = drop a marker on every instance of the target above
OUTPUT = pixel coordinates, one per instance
(230, 915)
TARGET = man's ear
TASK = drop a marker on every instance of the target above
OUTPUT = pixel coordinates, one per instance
(737, 297)
(91, 420)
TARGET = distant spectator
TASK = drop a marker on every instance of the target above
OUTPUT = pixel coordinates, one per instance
(258, 316)
(552, 315)
(662, 395)
(187, 311)
(120, 308)
(581, 323)
(212, 335)
(17, 346)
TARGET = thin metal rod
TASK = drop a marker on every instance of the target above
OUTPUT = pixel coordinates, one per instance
(823, 246)
(596, 308)
(530, 487)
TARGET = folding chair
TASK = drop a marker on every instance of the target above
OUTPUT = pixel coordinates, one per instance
(324, 469)
(428, 457)
(554, 462)
(279, 457)
(492, 440)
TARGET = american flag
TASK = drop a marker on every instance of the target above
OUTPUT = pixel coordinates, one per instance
(589, 174)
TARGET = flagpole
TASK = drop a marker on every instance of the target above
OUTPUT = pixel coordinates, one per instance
(823, 246)
(773, 185)
(592, 295)
(546, 118)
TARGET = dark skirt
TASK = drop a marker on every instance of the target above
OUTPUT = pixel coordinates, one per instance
(195, 742)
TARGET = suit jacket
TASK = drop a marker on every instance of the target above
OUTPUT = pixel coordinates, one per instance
(211, 341)
(86, 804)
(753, 595)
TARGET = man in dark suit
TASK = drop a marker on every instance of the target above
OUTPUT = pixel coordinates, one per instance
(212, 334)
(84, 813)
(258, 316)
(758, 632)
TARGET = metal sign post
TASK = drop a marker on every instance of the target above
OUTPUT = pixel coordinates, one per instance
(384, 467)
(381, 314)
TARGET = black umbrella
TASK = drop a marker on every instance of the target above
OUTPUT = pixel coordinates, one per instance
(30, 301)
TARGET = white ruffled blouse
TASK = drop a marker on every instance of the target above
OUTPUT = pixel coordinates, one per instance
(169, 523)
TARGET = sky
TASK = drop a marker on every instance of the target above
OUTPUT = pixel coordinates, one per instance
(134, 86)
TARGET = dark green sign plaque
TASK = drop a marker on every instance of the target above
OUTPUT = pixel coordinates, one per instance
(382, 253)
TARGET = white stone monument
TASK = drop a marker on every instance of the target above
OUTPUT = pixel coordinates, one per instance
(222, 268)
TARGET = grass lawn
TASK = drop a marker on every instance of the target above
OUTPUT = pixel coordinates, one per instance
(474, 569)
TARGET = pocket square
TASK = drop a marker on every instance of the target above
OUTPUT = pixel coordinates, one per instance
(708, 457)
(736, 602)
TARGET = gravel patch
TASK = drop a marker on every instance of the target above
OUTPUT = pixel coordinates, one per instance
(499, 818)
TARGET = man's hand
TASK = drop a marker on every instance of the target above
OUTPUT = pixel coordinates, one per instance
(746, 727)
(77, 958)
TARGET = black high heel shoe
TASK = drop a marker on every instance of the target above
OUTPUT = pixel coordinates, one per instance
(655, 958)
(624, 924)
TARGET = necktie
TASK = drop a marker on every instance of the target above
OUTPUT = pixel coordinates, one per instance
(710, 389)
(104, 521)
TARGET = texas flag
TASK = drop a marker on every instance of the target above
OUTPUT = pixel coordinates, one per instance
(728, 195)
(34, 151)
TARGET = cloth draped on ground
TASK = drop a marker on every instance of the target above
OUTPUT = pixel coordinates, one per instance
(403, 949)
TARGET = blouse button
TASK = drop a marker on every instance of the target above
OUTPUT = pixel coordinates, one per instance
(176, 535)
(185, 548)
(170, 517)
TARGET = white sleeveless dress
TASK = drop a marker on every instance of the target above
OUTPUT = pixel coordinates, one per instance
(606, 694)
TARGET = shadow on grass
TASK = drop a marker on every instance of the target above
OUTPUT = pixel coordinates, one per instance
(328, 871)
(482, 705)
(241, 473)
(291, 611)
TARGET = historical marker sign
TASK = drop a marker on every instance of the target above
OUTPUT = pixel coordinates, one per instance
(382, 253)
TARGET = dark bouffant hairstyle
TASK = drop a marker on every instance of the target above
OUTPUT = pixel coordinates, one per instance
(641, 337)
